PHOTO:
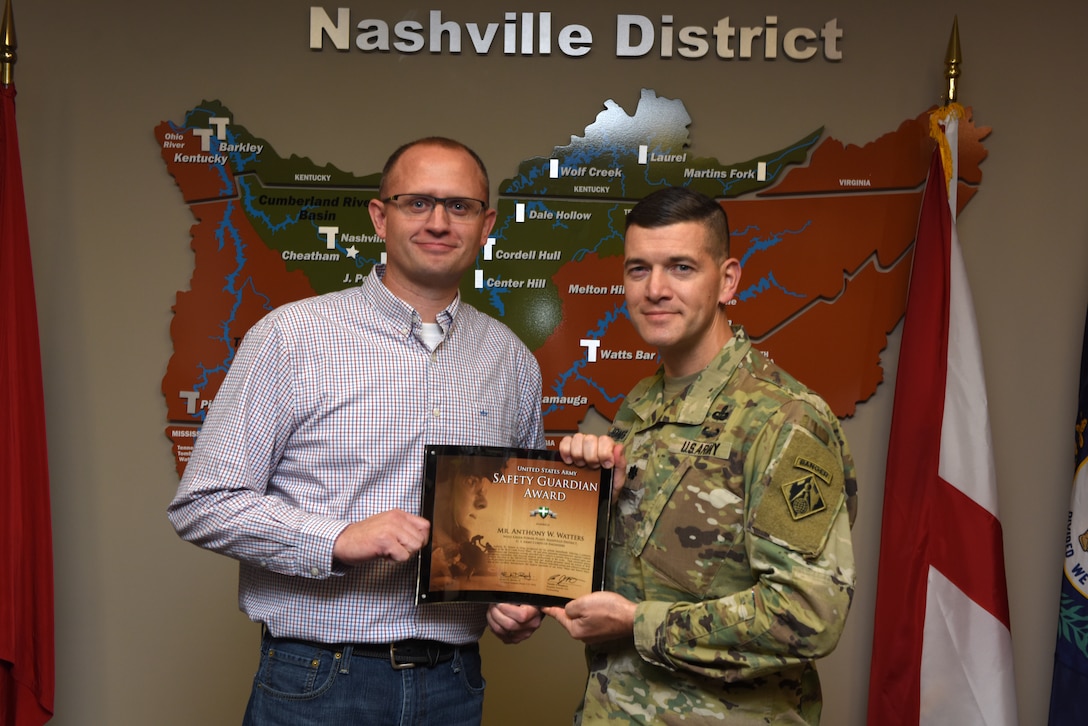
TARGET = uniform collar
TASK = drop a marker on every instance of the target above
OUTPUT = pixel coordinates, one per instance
(647, 400)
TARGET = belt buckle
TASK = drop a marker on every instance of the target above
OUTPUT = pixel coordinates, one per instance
(393, 659)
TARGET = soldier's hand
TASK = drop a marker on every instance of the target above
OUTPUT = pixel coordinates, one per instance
(597, 617)
(394, 535)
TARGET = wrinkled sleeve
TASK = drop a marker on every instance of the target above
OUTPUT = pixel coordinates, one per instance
(803, 577)
(222, 503)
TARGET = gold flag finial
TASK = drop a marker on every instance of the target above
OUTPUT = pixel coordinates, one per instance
(7, 47)
(952, 60)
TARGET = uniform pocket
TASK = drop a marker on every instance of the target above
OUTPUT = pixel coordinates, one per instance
(696, 527)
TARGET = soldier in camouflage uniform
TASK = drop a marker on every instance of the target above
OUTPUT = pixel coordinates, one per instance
(730, 568)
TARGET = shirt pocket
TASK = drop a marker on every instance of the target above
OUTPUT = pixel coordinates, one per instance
(694, 526)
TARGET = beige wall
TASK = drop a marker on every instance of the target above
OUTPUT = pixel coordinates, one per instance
(147, 626)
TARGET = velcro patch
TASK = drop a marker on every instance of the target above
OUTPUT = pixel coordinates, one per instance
(806, 491)
(715, 449)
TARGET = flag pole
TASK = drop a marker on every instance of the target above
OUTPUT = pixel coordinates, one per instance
(952, 59)
(949, 113)
(7, 47)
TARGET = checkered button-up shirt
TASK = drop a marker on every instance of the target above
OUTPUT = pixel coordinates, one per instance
(322, 421)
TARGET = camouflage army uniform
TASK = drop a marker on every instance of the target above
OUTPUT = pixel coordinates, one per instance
(733, 537)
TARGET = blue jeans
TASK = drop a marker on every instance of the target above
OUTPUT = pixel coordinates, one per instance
(304, 683)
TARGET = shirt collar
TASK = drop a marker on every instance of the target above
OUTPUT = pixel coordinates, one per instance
(400, 313)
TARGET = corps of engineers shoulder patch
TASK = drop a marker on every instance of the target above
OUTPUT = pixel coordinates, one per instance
(803, 498)
(806, 491)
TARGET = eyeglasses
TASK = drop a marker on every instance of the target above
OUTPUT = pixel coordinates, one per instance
(421, 205)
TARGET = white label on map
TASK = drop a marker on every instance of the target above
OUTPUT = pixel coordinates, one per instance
(330, 236)
(594, 290)
(591, 348)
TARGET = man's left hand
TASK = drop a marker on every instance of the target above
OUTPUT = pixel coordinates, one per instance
(513, 623)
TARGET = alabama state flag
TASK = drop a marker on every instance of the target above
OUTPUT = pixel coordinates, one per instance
(942, 649)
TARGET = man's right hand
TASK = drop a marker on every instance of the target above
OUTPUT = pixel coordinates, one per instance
(596, 452)
(393, 535)
(597, 617)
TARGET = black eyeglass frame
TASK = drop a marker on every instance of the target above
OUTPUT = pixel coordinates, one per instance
(444, 201)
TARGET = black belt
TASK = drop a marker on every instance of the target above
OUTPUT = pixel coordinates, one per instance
(401, 654)
(410, 653)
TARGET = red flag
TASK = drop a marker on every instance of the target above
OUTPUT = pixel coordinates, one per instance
(942, 649)
(26, 542)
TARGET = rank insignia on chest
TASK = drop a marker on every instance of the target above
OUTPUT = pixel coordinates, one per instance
(803, 497)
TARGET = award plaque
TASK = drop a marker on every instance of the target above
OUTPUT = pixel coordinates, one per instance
(511, 525)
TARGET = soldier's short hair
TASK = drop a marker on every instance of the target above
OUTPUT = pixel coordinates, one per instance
(673, 205)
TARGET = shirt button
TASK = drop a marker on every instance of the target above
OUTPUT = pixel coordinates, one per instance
(437, 413)
(315, 572)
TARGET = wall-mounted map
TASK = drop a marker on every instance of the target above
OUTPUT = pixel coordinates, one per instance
(824, 232)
